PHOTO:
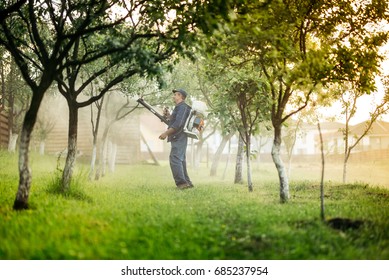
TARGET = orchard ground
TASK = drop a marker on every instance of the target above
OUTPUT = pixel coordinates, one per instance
(136, 213)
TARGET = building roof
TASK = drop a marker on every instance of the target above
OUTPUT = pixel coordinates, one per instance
(331, 126)
(378, 128)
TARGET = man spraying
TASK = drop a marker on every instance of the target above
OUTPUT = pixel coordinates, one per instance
(178, 138)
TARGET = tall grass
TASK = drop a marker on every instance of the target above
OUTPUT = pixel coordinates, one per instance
(136, 213)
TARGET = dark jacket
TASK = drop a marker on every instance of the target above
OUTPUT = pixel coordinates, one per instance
(177, 121)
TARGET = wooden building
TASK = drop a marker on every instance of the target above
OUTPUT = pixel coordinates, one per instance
(4, 131)
(124, 135)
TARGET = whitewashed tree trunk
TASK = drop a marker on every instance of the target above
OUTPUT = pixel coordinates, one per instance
(228, 160)
(198, 154)
(112, 158)
(283, 177)
(249, 180)
(154, 158)
(106, 148)
(103, 144)
(21, 201)
(42, 145)
(93, 161)
(345, 160)
(218, 154)
(239, 163)
(13, 139)
(25, 177)
(72, 149)
(259, 144)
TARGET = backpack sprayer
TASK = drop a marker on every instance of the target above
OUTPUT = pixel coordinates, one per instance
(195, 121)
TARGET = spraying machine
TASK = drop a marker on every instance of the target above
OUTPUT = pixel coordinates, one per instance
(194, 123)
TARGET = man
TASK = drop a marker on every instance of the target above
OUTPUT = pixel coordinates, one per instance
(179, 140)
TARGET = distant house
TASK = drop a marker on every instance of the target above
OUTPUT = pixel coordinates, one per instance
(376, 139)
(124, 135)
(308, 141)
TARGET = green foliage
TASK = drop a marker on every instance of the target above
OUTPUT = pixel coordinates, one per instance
(132, 215)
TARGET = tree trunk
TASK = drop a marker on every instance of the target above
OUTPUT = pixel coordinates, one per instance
(198, 153)
(42, 148)
(21, 201)
(228, 160)
(291, 148)
(22, 195)
(259, 144)
(249, 181)
(106, 147)
(13, 139)
(103, 146)
(322, 215)
(275, 152)
(346, 150)
(112, 157)
(346, 157)
(218, 154)
(72, 148)
(100, 161)
(154, 158)
(93, 160)
(95, 132)
(239, 163)
(289, 165)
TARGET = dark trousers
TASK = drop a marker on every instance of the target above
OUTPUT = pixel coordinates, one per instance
(177, 160)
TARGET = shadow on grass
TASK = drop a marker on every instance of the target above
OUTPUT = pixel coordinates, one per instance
(72, 193)
(344, 224)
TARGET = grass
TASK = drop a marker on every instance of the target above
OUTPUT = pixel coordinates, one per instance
(136, 213)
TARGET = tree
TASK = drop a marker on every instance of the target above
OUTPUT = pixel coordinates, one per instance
(262, 139)
(218, 119)
(145, 41)
(95, 121)
(299, 45)
(116, 109)
(2, 77)
(216, 158)
(239, 98)
(252, 110)
(290, 139)
(349, 103)
(45, 123)
(322, 212)
(238, 179)
(16, 98)
(40, 34)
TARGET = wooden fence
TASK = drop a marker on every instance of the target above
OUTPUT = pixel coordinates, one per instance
(3, 130)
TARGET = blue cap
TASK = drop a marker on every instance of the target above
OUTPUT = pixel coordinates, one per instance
(183, 92)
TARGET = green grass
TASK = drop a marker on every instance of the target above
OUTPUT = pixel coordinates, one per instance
(136, 213)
